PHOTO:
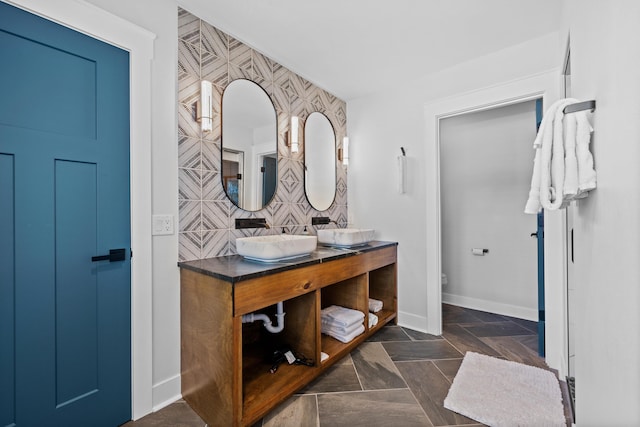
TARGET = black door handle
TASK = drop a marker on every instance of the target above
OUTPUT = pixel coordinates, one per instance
(114, 255)
(534, 234)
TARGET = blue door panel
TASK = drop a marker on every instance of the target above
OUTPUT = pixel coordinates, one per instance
(7, 292)
(34, 267)
(64, 125)
(76, 280)
(541, 310)
(65, 93)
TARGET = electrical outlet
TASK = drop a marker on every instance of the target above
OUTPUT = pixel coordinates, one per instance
(162, 225)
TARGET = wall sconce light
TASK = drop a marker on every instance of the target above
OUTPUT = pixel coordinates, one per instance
(293, 134)
(343, 153)
(205, 106)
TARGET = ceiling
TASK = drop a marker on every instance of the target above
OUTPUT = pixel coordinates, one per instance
(355, 47)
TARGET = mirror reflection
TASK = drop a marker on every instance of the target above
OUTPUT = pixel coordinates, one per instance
(249, 145)
(319, 161)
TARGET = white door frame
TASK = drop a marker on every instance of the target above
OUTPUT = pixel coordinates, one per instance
(102, 25)
(565, 370)
(546, 86)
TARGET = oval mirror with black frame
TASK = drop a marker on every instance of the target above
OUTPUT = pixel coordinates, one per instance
(249, 145)
(319, 161)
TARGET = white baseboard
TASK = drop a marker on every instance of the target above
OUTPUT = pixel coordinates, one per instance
(491, 306)
(166, 392)
(412, 321)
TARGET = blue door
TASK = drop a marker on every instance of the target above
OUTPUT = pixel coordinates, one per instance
(540, 235)
(65, 352)
(269, 172)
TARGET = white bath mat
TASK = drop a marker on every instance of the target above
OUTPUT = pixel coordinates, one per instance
(501, 393)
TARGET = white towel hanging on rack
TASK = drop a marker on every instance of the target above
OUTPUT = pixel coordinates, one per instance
(563, 164)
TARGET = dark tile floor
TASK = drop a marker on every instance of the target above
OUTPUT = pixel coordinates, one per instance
(398, 376)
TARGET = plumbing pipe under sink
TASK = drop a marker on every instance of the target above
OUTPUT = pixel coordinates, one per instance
(252, 317)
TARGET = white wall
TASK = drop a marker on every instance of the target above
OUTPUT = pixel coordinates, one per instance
(381, 123)
(485, 174)
(605, 66)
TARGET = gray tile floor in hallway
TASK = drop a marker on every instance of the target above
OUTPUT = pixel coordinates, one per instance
(398, 377)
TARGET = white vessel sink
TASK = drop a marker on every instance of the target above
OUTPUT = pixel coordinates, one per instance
(275, 248)
(345, 237)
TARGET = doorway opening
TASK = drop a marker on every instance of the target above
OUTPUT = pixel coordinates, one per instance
(489, 259)
(267, 178)
(232, 179)
(546, 86)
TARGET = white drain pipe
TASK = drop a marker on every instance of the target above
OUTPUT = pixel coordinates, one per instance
(252, 317)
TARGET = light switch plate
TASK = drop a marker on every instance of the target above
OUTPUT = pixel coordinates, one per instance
(162, 225)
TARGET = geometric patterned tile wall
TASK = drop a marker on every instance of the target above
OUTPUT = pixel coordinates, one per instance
(206, 215)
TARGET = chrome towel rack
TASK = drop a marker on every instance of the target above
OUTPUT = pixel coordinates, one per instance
(580, 106)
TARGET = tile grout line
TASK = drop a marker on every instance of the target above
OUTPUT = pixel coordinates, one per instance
(355, 369)
(317, 410)
(442, 373)
(431, 361)
(357, 391)
(417, 401)
(451, 344)
(384, 350)
(428, 360)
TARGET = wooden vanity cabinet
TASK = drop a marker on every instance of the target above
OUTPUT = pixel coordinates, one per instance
(225, 374)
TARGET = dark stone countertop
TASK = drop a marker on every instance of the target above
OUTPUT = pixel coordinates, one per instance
(234, 268)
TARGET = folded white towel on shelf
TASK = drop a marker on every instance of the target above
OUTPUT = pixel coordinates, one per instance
(345, 338)
(375, 305)
(342, 316)
(329, 325)
(373, 320)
